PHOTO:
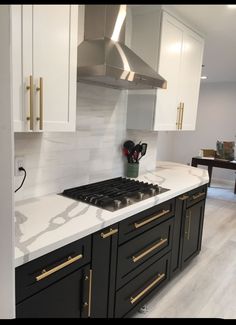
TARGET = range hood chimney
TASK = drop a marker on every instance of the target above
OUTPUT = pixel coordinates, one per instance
(104, 59)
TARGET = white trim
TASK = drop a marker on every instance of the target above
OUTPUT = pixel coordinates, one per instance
(7, 231)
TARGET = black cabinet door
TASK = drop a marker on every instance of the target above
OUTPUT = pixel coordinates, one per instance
(104, 263)
(180, 208)
(66, 298)
(192, 231)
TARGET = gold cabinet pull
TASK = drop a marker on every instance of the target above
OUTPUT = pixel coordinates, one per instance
(90, 292)
(182, 115)
(196, 196)
(184, 197)
(160, 243)
(159, 277)
(40, 89)
(109, 233)
(142, 223)
(187, 233)
(31, 92)
(178, 117)
(59, 267)
(88, 304)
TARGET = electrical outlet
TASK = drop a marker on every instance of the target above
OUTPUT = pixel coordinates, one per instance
(19, 162)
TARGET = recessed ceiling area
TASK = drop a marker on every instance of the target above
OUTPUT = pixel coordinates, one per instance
(218, 24)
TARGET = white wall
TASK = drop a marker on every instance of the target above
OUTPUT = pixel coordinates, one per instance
(147, 162)
(7, 283)
(216, 120)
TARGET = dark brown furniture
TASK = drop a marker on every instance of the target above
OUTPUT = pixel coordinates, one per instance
(220, 163)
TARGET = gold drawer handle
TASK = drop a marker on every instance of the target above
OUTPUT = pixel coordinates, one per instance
(59, 267)
(109, 233)
(142, 223)
(160, 276)
(198, 195)
(137, 258)
(184, 197)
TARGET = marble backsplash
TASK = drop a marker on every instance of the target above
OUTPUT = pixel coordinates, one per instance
(55, 160)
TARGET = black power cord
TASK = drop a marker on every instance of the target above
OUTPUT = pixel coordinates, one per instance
(21, 168)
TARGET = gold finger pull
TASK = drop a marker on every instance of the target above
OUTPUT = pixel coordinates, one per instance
(31, 89)
(109, 233)
(196, 196)
(182, 115)
(158, 279)
(178, 118)
(144, 222)
(69, 261)
(40, 89)
(158, 244)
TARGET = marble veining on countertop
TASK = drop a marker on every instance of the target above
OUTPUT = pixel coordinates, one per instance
(43, 224)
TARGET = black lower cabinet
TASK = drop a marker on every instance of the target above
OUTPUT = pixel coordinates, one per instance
(115, 271)
(188, 226)
(138, 291)
(66, 298)
(104, 264)
(192, 236)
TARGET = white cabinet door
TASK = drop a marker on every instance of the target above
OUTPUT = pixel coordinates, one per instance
(54, 61)
(21, 37)
(18, 113)
(180, 60)
(192, 52)
(167, 100)
(44, 45)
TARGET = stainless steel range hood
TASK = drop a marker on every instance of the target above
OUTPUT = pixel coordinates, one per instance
(104, 59)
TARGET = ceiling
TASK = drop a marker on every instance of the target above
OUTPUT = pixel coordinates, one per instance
(218, 24)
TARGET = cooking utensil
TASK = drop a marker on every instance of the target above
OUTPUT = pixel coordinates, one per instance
(143, 150)
(136, 151)
(129, 145)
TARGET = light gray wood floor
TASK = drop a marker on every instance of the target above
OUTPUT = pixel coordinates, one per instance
(207, 287)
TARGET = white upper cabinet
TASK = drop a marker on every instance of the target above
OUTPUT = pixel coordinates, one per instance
(191, 66)
(44, 67)
(178, 59)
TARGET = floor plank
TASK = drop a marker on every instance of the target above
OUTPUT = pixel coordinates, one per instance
(207, 287)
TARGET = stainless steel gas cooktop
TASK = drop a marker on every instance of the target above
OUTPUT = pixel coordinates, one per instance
(115, 193)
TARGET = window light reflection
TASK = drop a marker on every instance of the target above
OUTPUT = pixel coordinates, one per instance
(119, 22)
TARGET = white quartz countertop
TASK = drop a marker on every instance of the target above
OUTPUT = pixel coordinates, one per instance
(46, 223)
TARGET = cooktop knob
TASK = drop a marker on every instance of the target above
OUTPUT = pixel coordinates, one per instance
(117, 204)
(140, 195)
(153, 191)
(126, 200)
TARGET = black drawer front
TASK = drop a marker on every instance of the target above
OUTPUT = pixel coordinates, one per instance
(62, 299)
(135, 255)
(145, 220)
(196, 195)
(141, 288)
(43, 271)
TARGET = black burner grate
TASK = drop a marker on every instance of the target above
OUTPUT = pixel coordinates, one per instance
(115, 193)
